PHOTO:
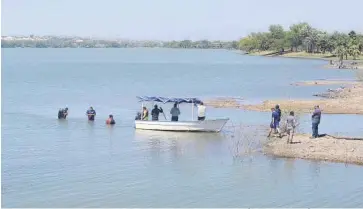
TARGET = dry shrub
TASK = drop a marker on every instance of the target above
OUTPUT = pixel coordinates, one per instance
(245, 140)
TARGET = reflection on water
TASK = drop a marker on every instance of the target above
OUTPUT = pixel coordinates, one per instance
(180, 143)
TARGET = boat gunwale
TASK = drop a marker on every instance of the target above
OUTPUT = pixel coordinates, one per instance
(190, 121)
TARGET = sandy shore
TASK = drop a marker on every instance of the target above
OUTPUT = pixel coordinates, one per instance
(223, 102)
(324, 148)
(327, 82)
(346, 100)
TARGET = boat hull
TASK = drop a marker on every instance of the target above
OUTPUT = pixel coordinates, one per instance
(188, 126)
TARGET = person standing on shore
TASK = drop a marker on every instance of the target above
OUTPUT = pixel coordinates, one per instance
(274, 123)
(175, 112)
(290, 126)
(315, 119)
(278, 111)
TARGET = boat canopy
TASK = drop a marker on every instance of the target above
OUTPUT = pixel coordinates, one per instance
(168, 100)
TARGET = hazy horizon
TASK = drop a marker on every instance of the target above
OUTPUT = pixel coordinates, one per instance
(171, 20)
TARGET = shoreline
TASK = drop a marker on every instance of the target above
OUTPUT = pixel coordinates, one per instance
(307, 56)
(325, 148)
(347, 99)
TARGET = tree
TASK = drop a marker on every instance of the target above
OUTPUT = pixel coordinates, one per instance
(185, 44)
(340, 52)
(311, 39)
(353, 49)
(360, 42)
(324, 44)
(277, 31)
(297, 34)
(352, 34)
(234, 45)
(248, 44)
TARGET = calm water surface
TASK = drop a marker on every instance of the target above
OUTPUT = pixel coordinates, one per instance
(74, 163)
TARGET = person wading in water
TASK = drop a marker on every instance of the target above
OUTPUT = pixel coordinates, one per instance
(91, 113)
(110, 120)
(63, 113)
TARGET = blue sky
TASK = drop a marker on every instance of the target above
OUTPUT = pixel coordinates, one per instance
(173, 19)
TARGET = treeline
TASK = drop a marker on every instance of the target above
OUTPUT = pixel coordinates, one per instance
(303, 37)
(57, 42)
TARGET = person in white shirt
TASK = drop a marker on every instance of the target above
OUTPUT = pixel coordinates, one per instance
(201, 111)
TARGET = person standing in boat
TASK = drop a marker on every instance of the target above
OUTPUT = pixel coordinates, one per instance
(155, 113)
(110, 120)
(175, 112)
(145, 114)
(201, 111)
(91, 113)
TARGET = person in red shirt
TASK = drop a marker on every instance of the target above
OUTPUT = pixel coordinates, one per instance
(110, 120)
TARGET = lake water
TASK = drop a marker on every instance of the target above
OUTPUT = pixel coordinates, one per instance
(74, 163)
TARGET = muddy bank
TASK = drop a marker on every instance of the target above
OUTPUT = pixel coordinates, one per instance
(325, 148)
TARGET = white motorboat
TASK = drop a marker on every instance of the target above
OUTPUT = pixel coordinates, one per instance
(210, 125)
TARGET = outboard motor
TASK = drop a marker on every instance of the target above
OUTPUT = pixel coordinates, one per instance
(138, 116)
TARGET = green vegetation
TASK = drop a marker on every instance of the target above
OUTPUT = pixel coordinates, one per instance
(78, 42)
(304, 41)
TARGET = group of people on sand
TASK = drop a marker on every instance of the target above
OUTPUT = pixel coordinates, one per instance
(91, 114)
(291, 123)
(174, 112)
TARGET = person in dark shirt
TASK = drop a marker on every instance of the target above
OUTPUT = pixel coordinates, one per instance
(63, 113)
(110, 120)
(155, 113)
(278, 110)
(315, 119)
(274, 125)
(91, 113)
(138, 116)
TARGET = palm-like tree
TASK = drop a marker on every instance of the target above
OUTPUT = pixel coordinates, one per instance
(353, 50)
(341, 51)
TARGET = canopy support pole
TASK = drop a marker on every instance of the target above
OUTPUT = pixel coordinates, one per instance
(192, 111)
(142, 109)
